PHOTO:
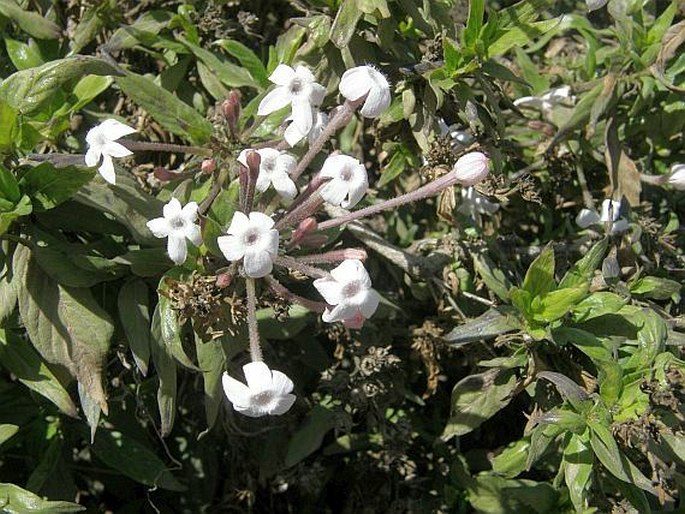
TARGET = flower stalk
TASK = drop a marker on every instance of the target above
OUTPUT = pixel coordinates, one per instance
(255, 348)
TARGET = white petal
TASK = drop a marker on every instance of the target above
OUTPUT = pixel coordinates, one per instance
(376, 103)
(282, 404)
(194, 234)
(92, 157)
(253, 411)
(258, 376)
(236, 392)
(534, 102)
(334, 192)
(284, 185)
(274, 101)
(350, 270)
(331, 290)
(586, 217)
(356, 191)
(239, 224)
(281, 383)
(610, 205)
(316, 95)
(292, 135)
(339, 312)
(176, 248)
(189, 212)
(282, 75)
(116, 150)
(231, 247)
(355, 83)
(286, 163)
(94, 138)
(263, 181)
(172, 209)
(370, 303)
(302, 114)
(304, 74)
(106, 169)
(113, 129)
(257, 264)
(620, 225)
(242, 157)
(261, 221)
(159, 227)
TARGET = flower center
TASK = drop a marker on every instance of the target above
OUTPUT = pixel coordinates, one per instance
(346, 174)
(177, 223)
(251, 237)
(296, 86)
(262, 399)
(269, 165)
(351, 289)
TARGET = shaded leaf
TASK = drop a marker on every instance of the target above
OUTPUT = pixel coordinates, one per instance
(309, 436)
(134, 313)
(30, 22)
(15, 500)
(492, 323)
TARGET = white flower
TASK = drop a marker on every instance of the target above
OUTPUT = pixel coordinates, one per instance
(101, 144)
(252, 239)
(348, 183)
(474, 204)
(548, 101)
(457, 137)
(293, 135)
(178, 224)
(274, 169)
(471, 169)
(267, 391)
(366, 81)
(677, 176)
(611, 211)
(593, 5)
(298, 88)
(349, 291)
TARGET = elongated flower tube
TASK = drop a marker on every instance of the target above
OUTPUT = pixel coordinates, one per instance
(298, 88)
(349, 181)
(102, 145)
(253, 240)
(177, 224)
(348, 291)
(274, 169)
(368, 83)
(268, 392)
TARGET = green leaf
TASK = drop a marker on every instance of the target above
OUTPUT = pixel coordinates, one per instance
(540, 276)
(230, 74)
(144, 29)
(24, 362)
(147, 262)
(513, 459)
(212, 362)
(299, 318)
(134, 460)
(172, 113)
(134, 313)
(9, 187)
(477, 398)
(23, 56)
(7, 431)
(554, 305)
(598, 304)
(8, 128)
(65, 325)
(577, 463)
(656, 288)
(248, 59)
(15, 500)
(30, 22)
(345, 23)
(50, 186)
(474, 23)
(492, 323)
(309, 436)
(493, 277)
(27, 91)
(165, 318)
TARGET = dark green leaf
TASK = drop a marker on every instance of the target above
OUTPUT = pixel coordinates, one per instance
(50, 186)
(540, 276)
(345, 23)
(212, 362)
(134, 312)
(30, 22)
(309, 436)
(247, 58)
(492, 323)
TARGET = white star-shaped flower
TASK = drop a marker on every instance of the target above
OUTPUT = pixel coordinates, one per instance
(611, 211)
(546, 102)
(474, 204)
(471, 169)
(178, 224)
(101, 141)
(349, 181)
(267, 391)
(298, 88)
(292, 134)
(366, 81)
(677, 177)
(349, 291)
(252, 239)
(274, 169)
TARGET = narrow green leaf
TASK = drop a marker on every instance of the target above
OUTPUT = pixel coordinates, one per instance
(309, 436)
(230, 74)
(474, 23)
(7, 431)
(15, 500)
(248, 59)
(345, 23)
(134, 313)
(23, 56)
(50, 186)
(212, 362)
(540, 276)
(30, 22)
(578, 469)
(492, 323)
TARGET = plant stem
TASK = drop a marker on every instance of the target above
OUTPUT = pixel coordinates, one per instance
(655, 180)
(294, 264)
(430, 189)
(288, 295)
(255, 348)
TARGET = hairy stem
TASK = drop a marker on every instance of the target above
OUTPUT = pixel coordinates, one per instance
(294, 264)
(255, 348)
(288, 295)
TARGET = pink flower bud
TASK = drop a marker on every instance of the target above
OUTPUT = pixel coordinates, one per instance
(208, 166)
(223, 280)
(253, 160)
(230, 108)
(305, 227)
(471, 168)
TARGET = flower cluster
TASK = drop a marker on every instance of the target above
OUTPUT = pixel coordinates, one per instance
(264, 237)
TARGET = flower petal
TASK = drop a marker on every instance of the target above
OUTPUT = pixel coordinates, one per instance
(292, 134)
(586, 217)
(239, 224)
(159, 227)
(282, 405)
(172, 209)
(355, 83)
(274, 101)
(331, 290)
(610, 205)
(339, 312)
(113, 129)
(116, 150)
(258, 376)
(370, 302)
(350, 270)
(231, 247)
(261, 221)
(257, 264)
(189, 212)
(92, 156)
(253, 411)
(302, 114)
(334, 192)
(620, 225)
(194, 234)
(376, 102)
(281, 383)
(236, 392)
(282, 75)
(106, 169)
(284, 185)
(177, 249)
(263, 181)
